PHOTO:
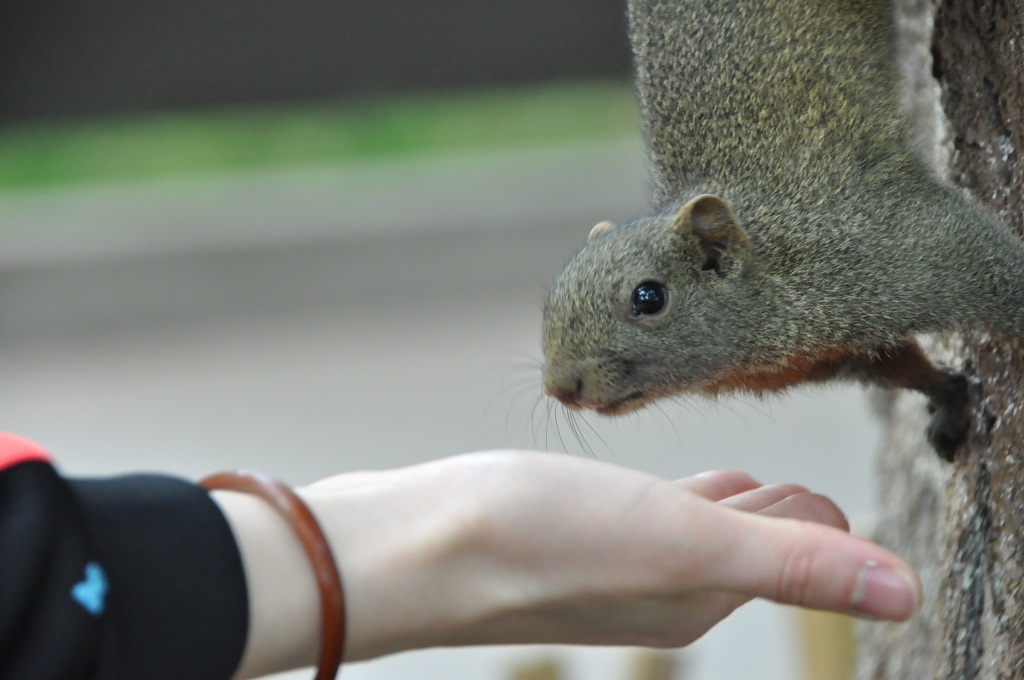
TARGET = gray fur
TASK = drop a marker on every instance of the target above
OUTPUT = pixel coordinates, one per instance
(788, 111)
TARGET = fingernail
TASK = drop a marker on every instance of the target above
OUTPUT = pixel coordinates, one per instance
(884, 593)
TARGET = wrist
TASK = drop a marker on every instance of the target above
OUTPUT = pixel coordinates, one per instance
(284, 621)
(410, 561)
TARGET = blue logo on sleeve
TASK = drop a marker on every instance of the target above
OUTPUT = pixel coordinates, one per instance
(91, 592)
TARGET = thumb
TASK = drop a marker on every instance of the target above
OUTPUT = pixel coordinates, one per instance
(811, 565)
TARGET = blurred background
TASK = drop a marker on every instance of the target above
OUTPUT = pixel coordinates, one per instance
(310, 237)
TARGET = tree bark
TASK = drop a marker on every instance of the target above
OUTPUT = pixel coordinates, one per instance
(961, 525)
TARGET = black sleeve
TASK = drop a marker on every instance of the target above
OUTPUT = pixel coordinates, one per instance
(132, 577)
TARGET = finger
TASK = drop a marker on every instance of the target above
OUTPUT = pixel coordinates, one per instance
(815, 566)
(808, 507)
(718, 484)
(755, 500)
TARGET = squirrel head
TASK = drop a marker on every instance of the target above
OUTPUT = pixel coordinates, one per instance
(636, 313)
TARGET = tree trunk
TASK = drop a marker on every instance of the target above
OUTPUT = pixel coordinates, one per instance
(961, 525)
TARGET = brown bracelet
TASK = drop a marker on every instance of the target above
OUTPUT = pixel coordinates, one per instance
(314, 543)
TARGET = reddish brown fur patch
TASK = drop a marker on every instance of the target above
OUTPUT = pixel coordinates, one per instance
(797, 369)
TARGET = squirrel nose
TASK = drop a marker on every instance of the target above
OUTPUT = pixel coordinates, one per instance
(569, 394)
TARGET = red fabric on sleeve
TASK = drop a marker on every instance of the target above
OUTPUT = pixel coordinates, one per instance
(15, 449)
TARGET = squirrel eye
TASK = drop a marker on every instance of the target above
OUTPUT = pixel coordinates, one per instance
(648, 298)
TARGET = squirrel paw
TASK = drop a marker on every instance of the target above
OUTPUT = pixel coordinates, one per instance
(950, 421)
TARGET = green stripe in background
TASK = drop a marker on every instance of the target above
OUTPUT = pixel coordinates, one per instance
(187, 144)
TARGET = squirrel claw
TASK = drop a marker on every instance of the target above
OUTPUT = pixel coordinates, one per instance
(950, 421)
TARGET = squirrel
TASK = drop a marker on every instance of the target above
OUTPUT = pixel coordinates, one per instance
(796, 235)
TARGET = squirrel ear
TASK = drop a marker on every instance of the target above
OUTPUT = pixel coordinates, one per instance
(599, 229)
(722, 240)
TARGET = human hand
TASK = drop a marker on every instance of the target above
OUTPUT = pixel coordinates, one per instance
(518, 547)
